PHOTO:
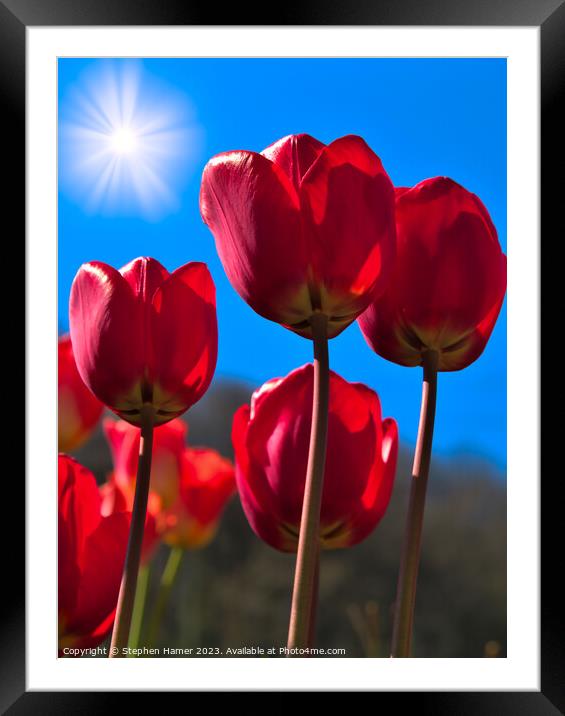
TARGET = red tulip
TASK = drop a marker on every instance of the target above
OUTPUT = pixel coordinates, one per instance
(302, 227)
(189, 486)
(78, 409)
(271, 439)
(144, 336)
(207, 483)
(91, 554)
(166, 467)
(169, 446)
(448, 283)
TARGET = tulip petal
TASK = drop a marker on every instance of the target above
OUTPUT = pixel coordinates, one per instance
(118, 498)
(107, 334)
(78, 517)
(252, 209)
(68, 570)
(97, 636)
(101, 575)
(207, 482)
(347, 200)
(123, 440)
(376, 497)
(277, 441)
(79, 501)
(294, 154)
(354, 434)
(210, 483)
(144, 276)
(184, 336)
(87, 641)
(472, 346)
(78, 410)
(114, 497)
(259, 509)
(168, 449)
(450, 273)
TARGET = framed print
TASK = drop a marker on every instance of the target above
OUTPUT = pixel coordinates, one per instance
(244, 235)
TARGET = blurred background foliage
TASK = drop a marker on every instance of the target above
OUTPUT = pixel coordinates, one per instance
(236, 592)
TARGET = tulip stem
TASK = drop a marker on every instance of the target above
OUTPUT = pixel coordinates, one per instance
(126, 598)
(138, 607)
(411, 549)
(314, 602)
(167, 580)
(304, 596)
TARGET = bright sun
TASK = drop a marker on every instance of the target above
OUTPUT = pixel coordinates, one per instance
(127, 141)
(123, 141)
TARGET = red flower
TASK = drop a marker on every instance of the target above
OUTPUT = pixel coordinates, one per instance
(448, 283)
(92, 550)
(189, 486)
(271, 446)
(166, 467)
(78, 409)
(207, 483)
(142, 335)
(169, 445)
(302, 227)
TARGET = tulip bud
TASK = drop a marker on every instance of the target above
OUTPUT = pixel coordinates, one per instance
(271, 440)
(169, 445)
(189, 487)
(142, 336)
(448, 283)
(302, 228)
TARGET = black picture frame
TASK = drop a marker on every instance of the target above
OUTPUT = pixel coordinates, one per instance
(549, 16)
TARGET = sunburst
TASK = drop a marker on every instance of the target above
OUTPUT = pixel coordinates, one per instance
(127, 141)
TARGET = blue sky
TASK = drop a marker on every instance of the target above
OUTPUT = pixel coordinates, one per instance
(423, 117)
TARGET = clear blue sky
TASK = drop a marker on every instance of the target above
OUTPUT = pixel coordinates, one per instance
(423, 117)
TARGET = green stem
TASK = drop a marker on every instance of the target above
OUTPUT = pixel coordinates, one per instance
(139, 607)
(314, 602)
(411, 549)
(167, 580)
(124, 608)
(304, 596)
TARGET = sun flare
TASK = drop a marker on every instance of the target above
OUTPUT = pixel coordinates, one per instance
(127, 142)
(124, 141)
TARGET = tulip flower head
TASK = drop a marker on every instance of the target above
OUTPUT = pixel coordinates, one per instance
(302, 227)
(271, 439)
(207, 483)
(144, 337)
(166, 466)
(78, 409)
(169, 446)
(91, 552)
(448, 283)
(189, 486)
